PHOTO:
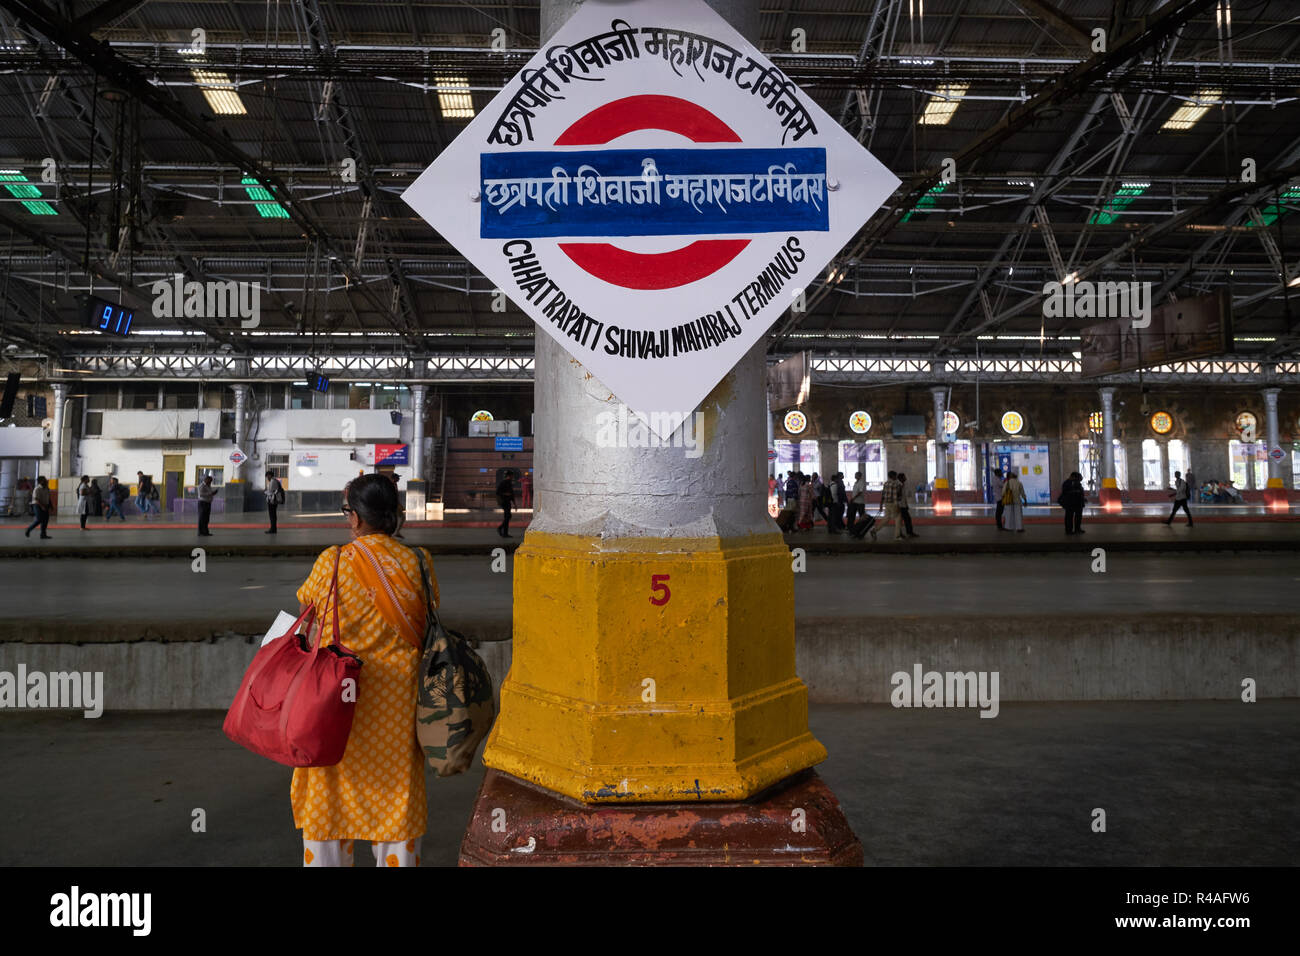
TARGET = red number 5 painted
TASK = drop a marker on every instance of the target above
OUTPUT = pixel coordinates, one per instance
(657, 584)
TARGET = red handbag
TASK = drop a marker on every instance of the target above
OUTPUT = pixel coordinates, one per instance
(297, 700)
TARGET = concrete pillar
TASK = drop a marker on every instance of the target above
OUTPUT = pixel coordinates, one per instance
(1164, 464)
(1109, 494)
(771, 431)
(653, 656)
(56, 432)
(828, 450)
(1275, 497)
(241, 428)
(942, 488)
(8, 482)
(418, 396)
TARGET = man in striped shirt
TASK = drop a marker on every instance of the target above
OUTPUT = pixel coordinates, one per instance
(889, 495)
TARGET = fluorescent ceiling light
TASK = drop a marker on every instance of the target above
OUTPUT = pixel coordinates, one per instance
(943, 104)
(1072, 277)
(217, 88)
(268, 208)
(1122, 199)
(18, 186)
(1185, 116)
(1295, 281)
(454, 98)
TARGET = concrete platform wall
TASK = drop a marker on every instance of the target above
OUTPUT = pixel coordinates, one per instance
(842, 660)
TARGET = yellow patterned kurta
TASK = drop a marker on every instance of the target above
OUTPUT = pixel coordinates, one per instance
(376, 792)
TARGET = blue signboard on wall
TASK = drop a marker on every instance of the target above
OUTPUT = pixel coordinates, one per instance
(508, 443)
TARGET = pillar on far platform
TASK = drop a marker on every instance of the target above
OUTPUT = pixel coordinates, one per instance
(241, 431)
(942, 489)
(652, 713)
(1109, 495)
(1275, 498)
(418, 395)
(56, 430)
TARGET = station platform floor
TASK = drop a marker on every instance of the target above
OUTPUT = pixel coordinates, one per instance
(969, 530)
(1182, 784)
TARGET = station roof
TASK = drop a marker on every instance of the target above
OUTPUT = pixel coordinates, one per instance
(1122, 165)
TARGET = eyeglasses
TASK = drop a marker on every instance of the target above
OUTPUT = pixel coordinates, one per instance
(346, 510)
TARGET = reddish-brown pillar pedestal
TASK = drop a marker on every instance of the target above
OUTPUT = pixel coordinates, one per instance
(797, 823)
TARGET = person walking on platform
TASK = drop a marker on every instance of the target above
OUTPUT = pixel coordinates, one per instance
(1180, 496)
(117, 494)
(804, 519)
(792, 489)
(999, 483)
(376, 792)
(145, 494)
(505, 500)
(821, 496)
(41, 502)
(206, 494)
(274, 498)
(903, 510)
(83, 500)
(1013, 496)
(889, 495)
(96, 499)
(1072, 500)
(857, 501)
(839, 501)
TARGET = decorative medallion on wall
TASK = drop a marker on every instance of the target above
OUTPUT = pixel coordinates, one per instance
(1162, 423)
(1012, 422)
(1246, 424)
(795, 422)
(482, 415)
(860, 423)
(1096, 422)
(950, 422)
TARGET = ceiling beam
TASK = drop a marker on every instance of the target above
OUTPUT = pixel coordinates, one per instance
(1057, 93)
(101, 58)
(1063, 22)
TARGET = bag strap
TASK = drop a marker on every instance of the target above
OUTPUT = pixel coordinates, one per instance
(428, 590)
(333, 592)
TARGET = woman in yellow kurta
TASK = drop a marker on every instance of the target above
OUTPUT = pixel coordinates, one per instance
(376, 792)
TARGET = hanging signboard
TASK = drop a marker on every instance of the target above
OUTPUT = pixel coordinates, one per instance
(654, 193)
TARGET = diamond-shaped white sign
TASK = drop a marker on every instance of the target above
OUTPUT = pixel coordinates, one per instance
(654, 193)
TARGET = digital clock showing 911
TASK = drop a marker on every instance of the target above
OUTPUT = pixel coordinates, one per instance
(110, 318)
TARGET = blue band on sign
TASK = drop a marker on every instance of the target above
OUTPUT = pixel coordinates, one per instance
(652, 192)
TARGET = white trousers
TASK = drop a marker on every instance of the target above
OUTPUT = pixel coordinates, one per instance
(339, 852)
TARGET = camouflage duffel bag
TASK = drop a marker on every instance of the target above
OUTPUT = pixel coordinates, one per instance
(454, 711)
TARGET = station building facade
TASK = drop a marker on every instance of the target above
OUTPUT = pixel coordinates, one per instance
(1046, 432)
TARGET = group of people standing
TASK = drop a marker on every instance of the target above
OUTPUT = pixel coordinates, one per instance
(91, 500)
(842, 507)
(1010, 498)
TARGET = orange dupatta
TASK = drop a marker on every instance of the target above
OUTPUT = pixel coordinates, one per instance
(398, 599)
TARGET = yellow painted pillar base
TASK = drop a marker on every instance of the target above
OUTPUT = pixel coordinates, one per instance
(942, 497)
(653, 669)
(1275, 497)
(1109, 495)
